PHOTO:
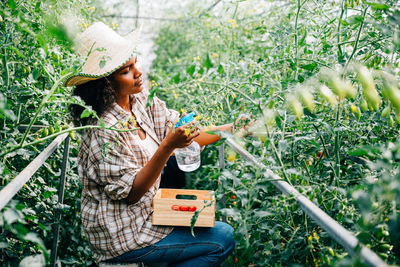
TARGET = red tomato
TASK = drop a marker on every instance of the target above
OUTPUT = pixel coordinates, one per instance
(175, 207)
(183, 208)
(233, 197)
(319, 154)
(192, 208)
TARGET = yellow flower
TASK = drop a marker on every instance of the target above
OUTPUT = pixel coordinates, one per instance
(215, 55)
(198, 58)
(187, 132)
(178, 60)
(314, 234)
(309, 238)
(353, 108)
(183, 110)
(93, 8)
(231, 156)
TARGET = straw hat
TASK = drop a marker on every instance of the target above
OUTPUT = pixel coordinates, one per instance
(105, 52)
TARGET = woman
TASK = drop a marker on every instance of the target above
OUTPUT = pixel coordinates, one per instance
(120, 170)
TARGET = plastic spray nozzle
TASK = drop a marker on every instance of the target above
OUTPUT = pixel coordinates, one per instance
(185, 119)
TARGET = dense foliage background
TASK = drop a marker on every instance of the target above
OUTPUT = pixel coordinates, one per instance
(316, 76)
(319, 78)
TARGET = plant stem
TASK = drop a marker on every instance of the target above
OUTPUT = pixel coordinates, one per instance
(296, 38)
(337, 145)
(340, 53)
(6, 74)
(62, 132)
(358, 37)
(52, 90)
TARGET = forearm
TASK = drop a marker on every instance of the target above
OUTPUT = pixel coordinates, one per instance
(206, 139)
(147, 176)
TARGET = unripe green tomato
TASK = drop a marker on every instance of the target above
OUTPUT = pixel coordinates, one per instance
(327, 260)
(397, 118)
(386, 246)
(72, 134)
(391, 121)
(296, 106)
(45, 132)
(51, 130)
(327, 93)
(383, 255)
(364, 105)
(307, 98)
(386, 111)
(385, 233)
(375, 205)
(358, 113)
(338, 86)
(392, 93)
(331, 252)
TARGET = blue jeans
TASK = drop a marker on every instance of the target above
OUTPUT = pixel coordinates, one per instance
(209, 247)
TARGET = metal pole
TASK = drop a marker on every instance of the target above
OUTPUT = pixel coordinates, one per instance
(332, 227)
(221, 156)
(221, 163)
(56, 225)
(12, 188)
(137, 14)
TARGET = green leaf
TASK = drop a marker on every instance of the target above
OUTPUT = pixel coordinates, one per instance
(12, 4)
(101, 123)
(207, 63)
(310, 66)
(191, 70)
(301, 41)
(86, 113)
(37, 7)
(220, 69)
(379, 6)
(177, 78)
(102, 63)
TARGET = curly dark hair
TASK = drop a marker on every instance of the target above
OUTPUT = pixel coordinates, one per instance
(99, 94)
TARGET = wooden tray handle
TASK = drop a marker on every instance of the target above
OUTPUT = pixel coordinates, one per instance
(200, 194)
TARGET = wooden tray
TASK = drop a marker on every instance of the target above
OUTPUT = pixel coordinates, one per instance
(173, 211)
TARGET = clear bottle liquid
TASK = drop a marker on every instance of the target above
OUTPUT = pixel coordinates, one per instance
(188, 158)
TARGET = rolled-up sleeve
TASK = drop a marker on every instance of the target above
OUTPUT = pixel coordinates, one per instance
(115, 165)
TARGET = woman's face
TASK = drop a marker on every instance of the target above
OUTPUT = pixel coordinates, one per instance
(128, 79)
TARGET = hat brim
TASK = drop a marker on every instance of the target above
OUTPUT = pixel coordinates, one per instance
(81, 78)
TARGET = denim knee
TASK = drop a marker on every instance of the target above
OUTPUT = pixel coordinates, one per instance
(224, 232)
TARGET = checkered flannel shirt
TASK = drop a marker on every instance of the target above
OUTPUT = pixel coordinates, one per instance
(108, 162)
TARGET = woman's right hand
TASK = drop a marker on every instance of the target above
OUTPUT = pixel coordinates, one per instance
(181, 136)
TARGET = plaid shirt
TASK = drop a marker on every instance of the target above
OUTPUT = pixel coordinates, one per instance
(108, 162)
